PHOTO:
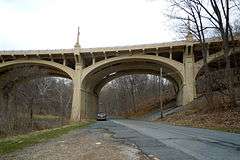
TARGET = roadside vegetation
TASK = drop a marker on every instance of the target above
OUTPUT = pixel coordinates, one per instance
(18, 142)
(34, 107)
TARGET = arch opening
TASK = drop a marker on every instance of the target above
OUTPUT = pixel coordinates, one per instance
(33, 96)
(136, 94)
(97, 77)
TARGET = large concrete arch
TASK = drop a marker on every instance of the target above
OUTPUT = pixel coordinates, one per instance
(94, 74)
(65, 69)
(174, 65)
(210, 58)
(199, 64)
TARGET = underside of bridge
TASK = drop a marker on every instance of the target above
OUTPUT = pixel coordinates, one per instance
(44, 71)
(27, 71)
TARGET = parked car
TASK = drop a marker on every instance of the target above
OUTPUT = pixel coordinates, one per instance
(101, 116)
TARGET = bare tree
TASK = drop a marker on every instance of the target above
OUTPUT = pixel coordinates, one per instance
(194, 24)
(62, 95)
(210, 17)
(15, 113)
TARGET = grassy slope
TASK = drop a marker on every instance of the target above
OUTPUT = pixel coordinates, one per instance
(45, 117)
(18, 142)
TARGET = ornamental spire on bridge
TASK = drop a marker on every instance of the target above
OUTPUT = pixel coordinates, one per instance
(77, 45)
(189, 36)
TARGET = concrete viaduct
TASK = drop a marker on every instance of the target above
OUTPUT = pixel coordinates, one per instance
(91, 68)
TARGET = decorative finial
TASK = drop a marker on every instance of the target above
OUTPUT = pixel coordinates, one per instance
(189, 36)
(78, 34)
(188, 23)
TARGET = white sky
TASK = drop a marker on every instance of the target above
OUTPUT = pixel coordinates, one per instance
(49, 24)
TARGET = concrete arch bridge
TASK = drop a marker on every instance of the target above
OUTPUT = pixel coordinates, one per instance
(91, 68)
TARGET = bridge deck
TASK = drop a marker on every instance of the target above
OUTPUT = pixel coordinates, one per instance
(106, 49)
(172, 50)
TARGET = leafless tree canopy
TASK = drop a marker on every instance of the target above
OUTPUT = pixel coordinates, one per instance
(135, 93)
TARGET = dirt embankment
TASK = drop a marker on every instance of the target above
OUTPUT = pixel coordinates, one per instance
(194, 115)
(222, 120)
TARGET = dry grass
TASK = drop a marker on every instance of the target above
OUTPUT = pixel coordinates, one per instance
(45, 117)
(224, 120)
(18, 142)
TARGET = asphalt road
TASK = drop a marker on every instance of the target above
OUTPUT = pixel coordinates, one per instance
(173, 142)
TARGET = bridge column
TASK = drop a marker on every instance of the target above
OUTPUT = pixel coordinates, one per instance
(76, 99)
(93, 59)
(188, 89)
(170, 53)
(77, 84)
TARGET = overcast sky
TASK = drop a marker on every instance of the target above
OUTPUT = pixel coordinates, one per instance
(49, 24)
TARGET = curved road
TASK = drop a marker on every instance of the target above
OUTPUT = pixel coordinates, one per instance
(169, 142)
